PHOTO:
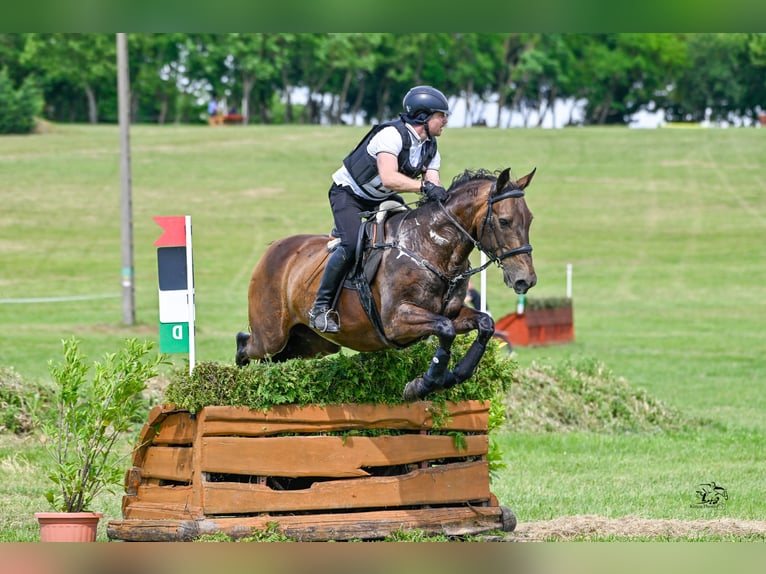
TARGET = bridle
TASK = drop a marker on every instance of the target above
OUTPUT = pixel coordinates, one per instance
(488, 224)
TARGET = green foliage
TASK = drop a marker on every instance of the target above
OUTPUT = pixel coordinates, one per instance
(583, 394)
(535, 303)
(415, 535)
(90, 417)
(215, 537)
(20, 402)
(376, 378)
(18, 108)
(269, 534)
(616, 74)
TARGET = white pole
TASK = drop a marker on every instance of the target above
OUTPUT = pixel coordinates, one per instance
(483, 291)
(569, 280)
(190, 294)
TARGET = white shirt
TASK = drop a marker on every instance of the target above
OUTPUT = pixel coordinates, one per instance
(387, 140)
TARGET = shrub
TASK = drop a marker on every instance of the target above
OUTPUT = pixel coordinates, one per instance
(18, 108)
(91, 415)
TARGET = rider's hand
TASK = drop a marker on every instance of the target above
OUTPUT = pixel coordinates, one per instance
(433, 192)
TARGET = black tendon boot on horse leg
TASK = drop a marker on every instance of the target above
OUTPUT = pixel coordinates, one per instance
(467, 365)
(432, 380)
(322, 316)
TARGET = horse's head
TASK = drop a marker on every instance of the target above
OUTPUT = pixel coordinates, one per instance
(503, 230)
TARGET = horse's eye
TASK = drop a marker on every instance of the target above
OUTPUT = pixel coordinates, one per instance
(504, 222)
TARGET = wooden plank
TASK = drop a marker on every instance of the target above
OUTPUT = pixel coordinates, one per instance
(465, 422)
(457, 521)
(177, 428)
(469, 416)
(328, 456)
(132, 480)
(138, 510)
(451, 483)
(164, 494)
(197, 476)
(170, 463)
(144, 531)
(145, 438)
(155, 415)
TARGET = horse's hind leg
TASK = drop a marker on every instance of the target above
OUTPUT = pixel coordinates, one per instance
(301, 342)
(305, 343)
(242, 358)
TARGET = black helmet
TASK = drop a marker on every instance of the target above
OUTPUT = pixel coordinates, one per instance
(422, 101)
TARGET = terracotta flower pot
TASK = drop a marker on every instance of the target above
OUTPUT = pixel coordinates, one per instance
(68, 526)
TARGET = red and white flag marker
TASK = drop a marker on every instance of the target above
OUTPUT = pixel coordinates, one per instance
(175, 271)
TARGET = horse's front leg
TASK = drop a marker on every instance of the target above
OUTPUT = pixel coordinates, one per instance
(467, 365)
(437, 374)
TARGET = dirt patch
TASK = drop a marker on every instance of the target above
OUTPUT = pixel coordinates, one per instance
(589, 527)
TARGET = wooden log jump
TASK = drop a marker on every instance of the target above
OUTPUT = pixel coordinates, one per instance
(320, 473)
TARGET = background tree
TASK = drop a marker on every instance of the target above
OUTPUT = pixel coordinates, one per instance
(691, 77)
(623, 73)
(86, 62)
(18, 108)
(754, 76)
(156, 74)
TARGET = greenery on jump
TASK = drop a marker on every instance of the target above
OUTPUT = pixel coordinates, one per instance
(376, 378)
(360, 378)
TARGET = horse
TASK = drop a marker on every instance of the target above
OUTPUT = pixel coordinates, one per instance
(418, 289)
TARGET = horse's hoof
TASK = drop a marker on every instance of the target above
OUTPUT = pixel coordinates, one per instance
(414, 390)
(241, 357)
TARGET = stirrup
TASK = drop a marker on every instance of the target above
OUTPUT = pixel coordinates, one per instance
(322, 320)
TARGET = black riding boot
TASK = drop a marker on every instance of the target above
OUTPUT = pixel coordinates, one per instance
(322, 317)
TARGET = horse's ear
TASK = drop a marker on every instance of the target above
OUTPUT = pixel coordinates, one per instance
(526, 180)
(503, 179)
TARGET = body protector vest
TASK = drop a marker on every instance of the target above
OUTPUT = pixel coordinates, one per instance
(364, 168)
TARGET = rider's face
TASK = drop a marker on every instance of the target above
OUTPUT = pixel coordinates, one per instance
(436, 123)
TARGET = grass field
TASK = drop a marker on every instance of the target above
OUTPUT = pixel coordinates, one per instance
(664, 229)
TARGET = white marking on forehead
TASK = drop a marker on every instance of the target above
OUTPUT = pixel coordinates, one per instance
(437, 238)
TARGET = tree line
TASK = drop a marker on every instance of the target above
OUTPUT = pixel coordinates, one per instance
(68, 77)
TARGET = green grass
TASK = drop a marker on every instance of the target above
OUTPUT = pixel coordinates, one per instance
(648, 476)
(664, 229)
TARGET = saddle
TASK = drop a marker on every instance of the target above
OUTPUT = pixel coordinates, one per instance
(369, 253)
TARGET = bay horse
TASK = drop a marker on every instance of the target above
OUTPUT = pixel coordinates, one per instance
(419, 287)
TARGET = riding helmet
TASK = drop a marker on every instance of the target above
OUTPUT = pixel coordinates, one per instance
(422, 101)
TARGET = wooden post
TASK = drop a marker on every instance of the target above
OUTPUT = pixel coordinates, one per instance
(126, 204)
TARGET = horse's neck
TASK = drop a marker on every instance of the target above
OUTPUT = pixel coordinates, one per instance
(430, 232)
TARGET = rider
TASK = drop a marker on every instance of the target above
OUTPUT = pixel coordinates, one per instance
(396, 156)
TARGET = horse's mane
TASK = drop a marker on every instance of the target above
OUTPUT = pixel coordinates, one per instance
(470, 175)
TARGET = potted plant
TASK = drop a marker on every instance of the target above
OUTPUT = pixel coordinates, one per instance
(89, 417)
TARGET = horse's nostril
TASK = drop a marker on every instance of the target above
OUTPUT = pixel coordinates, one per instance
(521, 286)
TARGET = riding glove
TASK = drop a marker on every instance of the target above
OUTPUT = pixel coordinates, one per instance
(433, 192)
